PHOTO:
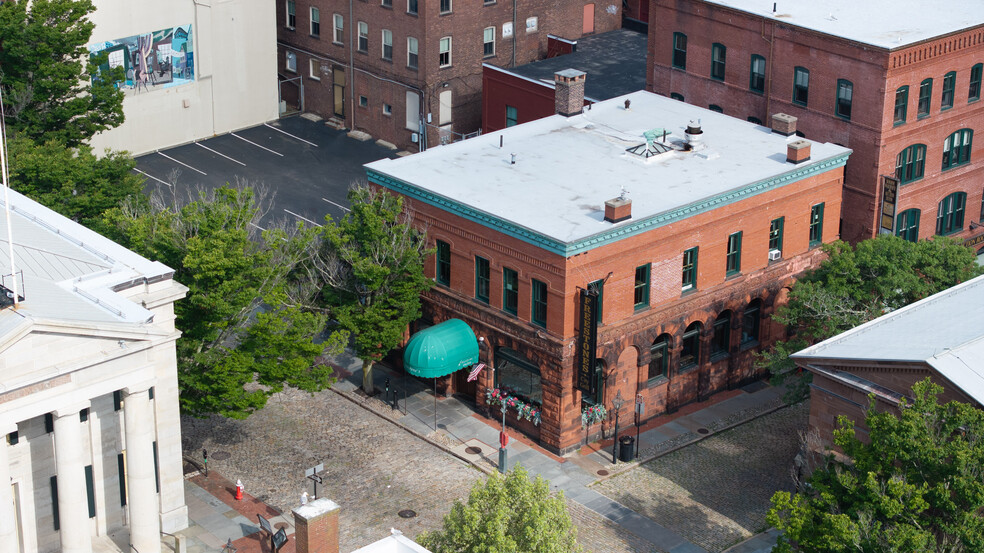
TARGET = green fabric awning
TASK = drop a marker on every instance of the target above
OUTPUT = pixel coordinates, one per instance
(441, 349)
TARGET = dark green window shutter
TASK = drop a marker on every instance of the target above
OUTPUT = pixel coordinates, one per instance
(90, 491)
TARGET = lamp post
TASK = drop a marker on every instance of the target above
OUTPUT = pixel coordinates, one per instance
(617, 404)
(503, 441)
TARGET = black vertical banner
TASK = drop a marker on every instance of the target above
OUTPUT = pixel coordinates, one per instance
(587, 342)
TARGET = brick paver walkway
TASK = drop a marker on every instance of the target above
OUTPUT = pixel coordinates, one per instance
(716, 492)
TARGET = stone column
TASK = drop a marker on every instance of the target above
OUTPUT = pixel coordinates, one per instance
(73, 516)
(8, 534)
(138, 420)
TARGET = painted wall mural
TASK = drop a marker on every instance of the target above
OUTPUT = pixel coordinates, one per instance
(161, 59)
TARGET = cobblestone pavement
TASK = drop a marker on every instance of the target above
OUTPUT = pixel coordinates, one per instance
(374, 468)
(716, 492)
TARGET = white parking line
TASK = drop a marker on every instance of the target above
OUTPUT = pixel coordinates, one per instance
(151, 177)
(258, 226)
(290, 135)
(220, 154)
(257, 145)
(182, 163)
(301, 217)
(336, 205)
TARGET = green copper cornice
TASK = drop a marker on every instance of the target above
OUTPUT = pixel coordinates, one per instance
(618, 231)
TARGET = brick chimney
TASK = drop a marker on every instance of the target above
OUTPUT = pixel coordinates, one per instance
(316, 527)
(798, 151)
(618, 209)
(783, 124)
(569, 92)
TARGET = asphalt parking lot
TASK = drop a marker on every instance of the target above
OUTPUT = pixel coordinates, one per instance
(307, 164)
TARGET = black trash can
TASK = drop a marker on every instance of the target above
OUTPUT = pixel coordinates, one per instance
(626, 451)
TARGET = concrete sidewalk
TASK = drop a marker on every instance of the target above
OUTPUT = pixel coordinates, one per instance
(466, 433)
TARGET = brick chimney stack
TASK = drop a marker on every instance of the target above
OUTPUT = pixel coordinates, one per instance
(569, 92)
(798, 151)
(783, 124)
(618, 209)
(316, 527)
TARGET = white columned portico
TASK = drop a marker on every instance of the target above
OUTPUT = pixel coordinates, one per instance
(8, 535)
(69, 464)
(145, 529)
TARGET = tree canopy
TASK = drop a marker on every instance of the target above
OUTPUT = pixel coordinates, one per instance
(250, 323)
(857, 284)
(916, 487)
(46, 73)
(372, 263)
(506, 514)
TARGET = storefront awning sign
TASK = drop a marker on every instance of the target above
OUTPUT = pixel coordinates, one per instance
(441, 350)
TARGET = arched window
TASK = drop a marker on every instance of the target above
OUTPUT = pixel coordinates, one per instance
(715, 107)
(690, 354)
(910, 163)
(676, 96)
(949, 214)
(956, 148)
(907, 225)
(721, 343)
(750, 323)
(660, 356)
(599, 385)
(753, 119)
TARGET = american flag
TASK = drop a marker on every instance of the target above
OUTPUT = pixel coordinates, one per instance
(474, 374)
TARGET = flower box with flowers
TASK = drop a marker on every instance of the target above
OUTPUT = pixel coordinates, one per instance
(525, 415)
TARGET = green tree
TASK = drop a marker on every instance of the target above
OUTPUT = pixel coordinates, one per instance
(372, 263)
(46, 73)
(916, 487)
(250, 324)
(857, 284)
(73, 182)
(506, 514)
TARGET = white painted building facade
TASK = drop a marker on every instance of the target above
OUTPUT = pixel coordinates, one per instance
(221, 77)
(88, 390)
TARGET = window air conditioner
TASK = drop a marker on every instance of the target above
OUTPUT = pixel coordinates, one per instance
(775, 255)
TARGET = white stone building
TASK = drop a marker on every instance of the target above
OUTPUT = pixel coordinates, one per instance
(194, 68)
(88, 390)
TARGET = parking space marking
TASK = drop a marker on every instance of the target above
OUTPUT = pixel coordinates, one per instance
(290, 135)
(219, 153)
(336, 205)
(301, 217)
(257, 145)
(182, 163)
(151, 177)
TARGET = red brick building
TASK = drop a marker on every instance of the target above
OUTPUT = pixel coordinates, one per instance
(687, 225)
(938, 337)
(899, 85)
(393, 67)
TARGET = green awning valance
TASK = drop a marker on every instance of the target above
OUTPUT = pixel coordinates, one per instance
(441, 349)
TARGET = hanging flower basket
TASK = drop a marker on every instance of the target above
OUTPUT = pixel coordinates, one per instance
(524, 409)
(593, 414)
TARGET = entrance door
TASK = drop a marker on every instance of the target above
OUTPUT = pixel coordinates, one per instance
(462, 386)
(338, 78)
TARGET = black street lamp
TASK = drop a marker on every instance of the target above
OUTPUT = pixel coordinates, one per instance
(617, 404)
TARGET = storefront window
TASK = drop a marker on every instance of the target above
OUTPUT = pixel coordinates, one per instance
(517, 376)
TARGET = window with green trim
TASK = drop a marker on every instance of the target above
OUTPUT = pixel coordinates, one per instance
(538, 303)
(801, 86)
(907, 225)
(910, 162)
(715, 107)
(901, 104)
(659, 357)
(719, 54)
(598, 287)
(481, 279)
(690, 269)
(751, 321)
(816, 225)
(974, 92)
(676, 96)
(443, 270)
(721, 342)
(845, 98)
(690, 353)
(512, 116)
(981, 219)
(950, 213)
(756, 74)
(949, 84)
(679, 50)
(510, 290)
(734, 254)
(640, 294)
(956, 148)
(775, 234)
(925, 98)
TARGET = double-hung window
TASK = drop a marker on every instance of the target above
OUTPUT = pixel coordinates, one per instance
(411, 52)
(950, 212)
(946, 97)
(363, 36)
(291, 14)
(640, 294)
(292, 62)
(734, 254)
(910, 163)
(315, 22)
(901, 104)
(718, 57)
(907, 225)
(538, 303)
(816, 225)
(801, 86)
(488, 42)
(444, 55)
(690, 269)
(443, 269)
(756, 78)
(510, 290)
(845, 97)
(482, 279)
(412, 7)
(956, 148)
(775, 235)
(925, 98)
(445, 6)
(974, 91)
(338, 35)
(387, 45)
(679, 50)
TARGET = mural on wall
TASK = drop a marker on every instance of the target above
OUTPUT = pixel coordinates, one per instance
(160, 59)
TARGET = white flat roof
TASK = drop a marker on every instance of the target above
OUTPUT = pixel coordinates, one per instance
(567, 167)
(887, 24)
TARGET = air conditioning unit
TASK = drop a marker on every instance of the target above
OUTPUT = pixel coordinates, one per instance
(775, 255)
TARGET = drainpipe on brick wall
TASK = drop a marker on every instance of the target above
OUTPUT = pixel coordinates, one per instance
(515, 31)
(768, 88)
(352, 62)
